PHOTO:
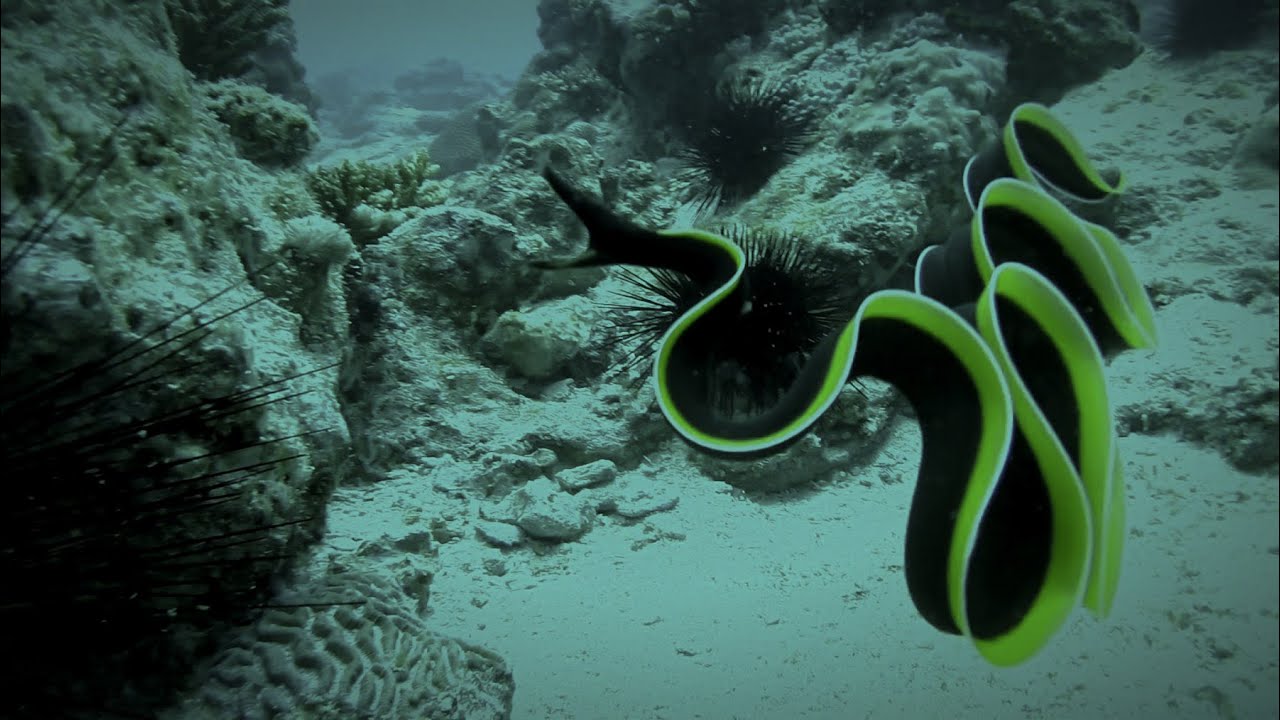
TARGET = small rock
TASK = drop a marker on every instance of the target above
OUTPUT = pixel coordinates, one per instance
(632, 496)
(544, 511)
(549, 513)
(557, 520)
(539, 342)
(418, 543)
(544, 457)
(442, 533)
(643, 504)
(584, 476)
(499, 534)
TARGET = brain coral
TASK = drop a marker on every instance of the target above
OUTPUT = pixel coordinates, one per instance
(370, 661)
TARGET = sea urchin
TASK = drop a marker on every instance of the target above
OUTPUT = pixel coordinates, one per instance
(748, 130)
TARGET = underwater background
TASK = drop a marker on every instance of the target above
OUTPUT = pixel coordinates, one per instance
(297, 424)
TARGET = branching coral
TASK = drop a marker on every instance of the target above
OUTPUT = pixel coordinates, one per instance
(342, 190)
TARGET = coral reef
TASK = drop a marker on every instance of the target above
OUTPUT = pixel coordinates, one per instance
(563, 93)
(450, 272)
(267, 129)
(1053, 45)
(920, 111)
